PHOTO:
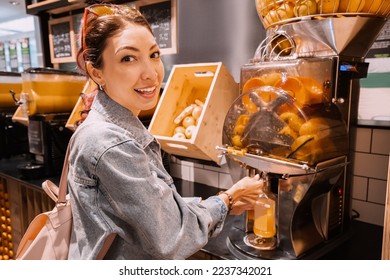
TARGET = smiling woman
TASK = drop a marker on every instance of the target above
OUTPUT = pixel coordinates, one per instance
(117, 179)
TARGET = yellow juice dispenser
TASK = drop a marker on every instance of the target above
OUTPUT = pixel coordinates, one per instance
(13, 136)
(9, 82)
(46, 101)
(292, 124)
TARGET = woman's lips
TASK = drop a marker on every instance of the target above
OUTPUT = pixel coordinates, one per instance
(147, 91)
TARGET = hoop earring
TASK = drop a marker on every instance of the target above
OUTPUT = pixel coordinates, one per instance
(101, 88)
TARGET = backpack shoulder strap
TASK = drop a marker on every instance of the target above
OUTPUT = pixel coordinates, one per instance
(63, 189)
(63, 186)
(107, 244)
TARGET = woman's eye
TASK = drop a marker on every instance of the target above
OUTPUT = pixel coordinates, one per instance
(155, 55)
(127, 59)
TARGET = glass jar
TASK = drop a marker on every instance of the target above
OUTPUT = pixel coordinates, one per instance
(264, 232)
(265, 213)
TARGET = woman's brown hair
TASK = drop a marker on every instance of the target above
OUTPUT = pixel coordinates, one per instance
(98, 28)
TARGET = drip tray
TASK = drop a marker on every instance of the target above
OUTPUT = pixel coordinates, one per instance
(239, 248)
(236, 245)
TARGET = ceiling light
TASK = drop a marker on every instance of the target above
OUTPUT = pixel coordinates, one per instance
(14, 3)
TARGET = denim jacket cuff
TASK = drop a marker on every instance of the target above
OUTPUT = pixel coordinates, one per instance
(218, 211)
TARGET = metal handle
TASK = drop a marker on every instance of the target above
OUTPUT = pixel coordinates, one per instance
(13, 94)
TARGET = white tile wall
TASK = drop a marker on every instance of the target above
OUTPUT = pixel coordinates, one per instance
(377, 191)
(369, 212)
(215, 176)
(360, 188)
(363, 140)
(380, 141)
(370, 165)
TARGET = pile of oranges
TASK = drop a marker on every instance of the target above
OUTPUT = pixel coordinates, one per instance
(313, 136)
(6, 245)
(272, 12)
(306, 90)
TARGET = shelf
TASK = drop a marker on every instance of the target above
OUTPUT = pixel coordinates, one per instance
(41, 6)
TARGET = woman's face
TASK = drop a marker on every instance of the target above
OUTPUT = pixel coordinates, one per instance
(132, 71)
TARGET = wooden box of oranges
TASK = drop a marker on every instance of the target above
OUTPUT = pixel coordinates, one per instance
(189, 118)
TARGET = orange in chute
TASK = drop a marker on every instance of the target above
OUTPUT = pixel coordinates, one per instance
(313, 93)
(259, 81)
(271, 78)
(291, 84)
(250, 84)
(253, 83)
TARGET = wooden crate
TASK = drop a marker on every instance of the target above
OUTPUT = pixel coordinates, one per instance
(210, 83)
(75, 115)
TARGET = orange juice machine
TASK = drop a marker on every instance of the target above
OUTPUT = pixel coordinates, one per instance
(45, 103)
(292, 124)
(13, 136)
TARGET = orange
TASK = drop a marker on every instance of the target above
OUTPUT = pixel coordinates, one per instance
(264, 80)
(285, 11)
(351, 6)
(243, 120)
(371, 6)
(271, 18)
(253, 83)
(262, 7)
(291, 84)
(248, 104)
(313, 93)
(293, 120)
(328, 6)
(281, 45)
(302, 141)
(271, 78)
(236, 141)
(305, 8)
(239, 129)
(313, 126)
(384, 8)
(287, 130)
(286, 108)
(250, 84)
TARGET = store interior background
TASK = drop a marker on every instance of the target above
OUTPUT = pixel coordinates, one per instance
(230, 31)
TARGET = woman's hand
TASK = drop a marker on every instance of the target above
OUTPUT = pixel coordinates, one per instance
(244, 194)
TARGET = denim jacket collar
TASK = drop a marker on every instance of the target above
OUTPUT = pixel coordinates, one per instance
(122, 117)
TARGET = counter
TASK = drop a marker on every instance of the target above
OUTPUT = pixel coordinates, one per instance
(364, 240)
(379, 124)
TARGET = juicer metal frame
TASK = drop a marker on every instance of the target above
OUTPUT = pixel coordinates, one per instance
(314, 210)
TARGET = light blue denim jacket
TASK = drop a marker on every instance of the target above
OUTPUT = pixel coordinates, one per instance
(117, 183)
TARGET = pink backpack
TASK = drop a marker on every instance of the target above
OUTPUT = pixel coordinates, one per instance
(48, 235)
